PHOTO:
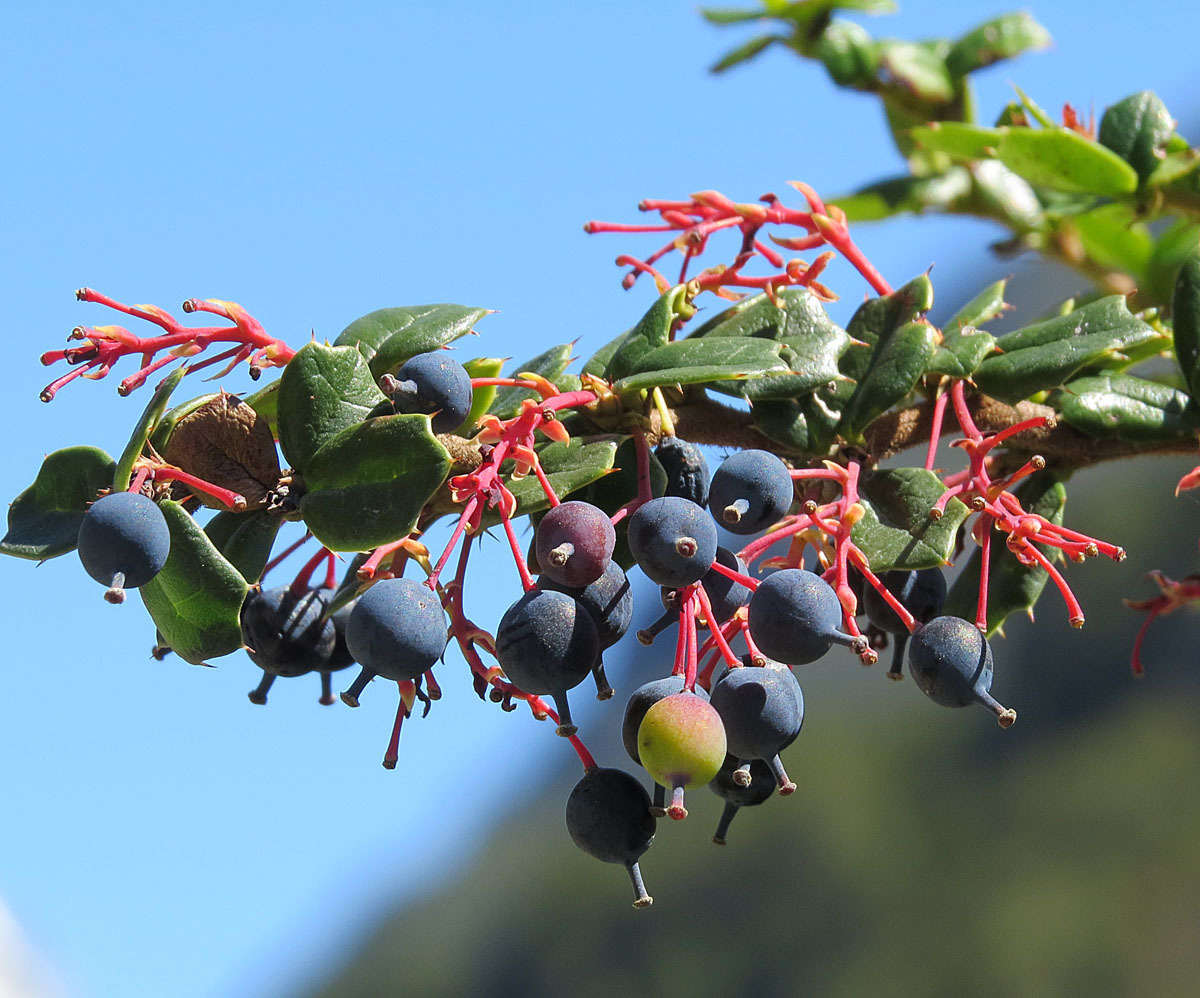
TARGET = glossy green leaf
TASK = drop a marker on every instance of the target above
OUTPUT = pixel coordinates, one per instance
(958, 139)
(387, 337)
(1123, 407)
(877, 318)
(961, 351)
(1000, 38)
(989, 304)
(692, 362)
(1113, 236)
(598, 362)
(939, 192)
(1185, 318)
(786, 424)
(1002, 194)
(1171, 248)
(743, 52)
(1046, 354)
(196, 598)
(1065, 161)
(43, 521)
(1012, 587)
(652, 331)
(895, 370)
(897, 531)
(1137, 129)
(549, 364)
(245, 539)
(324, 390)
(569, 467)
(165, 426)
(918, 70)
(123, 473)
(367, 484)
(265, 402)
(482, 396)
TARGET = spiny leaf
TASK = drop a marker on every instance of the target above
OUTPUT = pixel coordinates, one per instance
(1122, 407)
(897, 531)
(43, 521)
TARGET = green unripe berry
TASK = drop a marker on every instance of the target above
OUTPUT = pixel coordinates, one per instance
(681, 742)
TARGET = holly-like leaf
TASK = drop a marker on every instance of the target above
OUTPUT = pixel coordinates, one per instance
(786, 424)
(482, 396)
(1122, 407)
(195, 600)
(367, 484)
(43, 521)
(1137, 129)
(387, 337)
(1185, 312)
(1012, 587)
(1000, 38)
(693, 362)
(897, 366)
(961, 351)
(323, 391)
(123, 474)
(549, 364)
(569, 467)
(652, 331)
(980, 310)
(958, 139)
(897, 531)
(245, 539)
(1046, 354)
(1064, 160)
(877, 318)
(850, 55)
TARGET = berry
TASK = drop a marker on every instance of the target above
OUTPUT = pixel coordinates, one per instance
(609, 601)
(396, 630)
(737, 796)
(286, 634)
(672, 541)
(640, 701)
(340, 658)
(123, 542)
(922, 593)
(762, 710)
(608, 817)
(726, 595)
(432, 383)
(794, 617)
(686, 468)
(547, 644)
(751, 490)
(574, 543)
(681, 743)
(952, 664)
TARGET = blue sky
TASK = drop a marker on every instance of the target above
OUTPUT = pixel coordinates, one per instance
(315, 162)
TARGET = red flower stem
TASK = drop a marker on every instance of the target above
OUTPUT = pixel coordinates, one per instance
(756, 547)
(138, 378)
(289, 550)
(518, 555)
(367, 570)
(1074, 611)
(504, 383)
(231, 499)
(468, 511)
(393, 749)
(138, 480)
(985, 561)
(860, 562)
(688, 625)
(679, 668)
(756, 654)
(715, 627)
(236, 353)
(544, 481)
(1135, 661)
(935, 432)
(331, 578)
(733, 573)
(302, 582)
(962, 413)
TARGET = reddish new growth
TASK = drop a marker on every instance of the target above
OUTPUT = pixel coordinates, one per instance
(999, 508)
(1172, 595)
(102, 346)
(708, 212)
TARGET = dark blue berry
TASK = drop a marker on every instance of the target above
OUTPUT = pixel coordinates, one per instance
(609, 601)
(432, 383)
(795, 617)
(762, 710)
(608, 817)
(736, 795)
(123, 542)
(286, 634)
(922, 593)
(686, 468)
(750, 491)
(574, 543)
(952, 664)
(672, 540)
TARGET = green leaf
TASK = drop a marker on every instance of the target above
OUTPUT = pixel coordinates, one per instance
(652, 331)
(917, 70)
(610, 492)
(1185, 317)
(877, 318)
(1112, 236)
(1065, 161)
(43, 521)
(569, 467)
(743, 52)
(962, 350)
(983, 308)
(245, 539)
(387, 337)
(849, 54)
(1137, 129)
(165, 426)
(549, 364)
(1046, 354)
(195, 600)
(483, 396)
(897, 531)
(958, 139)
(1170, 250)
(939, 192)
(367, 484)
(324, 390)
(895, 370)
(1002, 194)
(1000, 38)
(598, 362)
(123, 473)
(1122, 407)
(265, 402)
(786, 423)
(1011, 585)
(693, 362)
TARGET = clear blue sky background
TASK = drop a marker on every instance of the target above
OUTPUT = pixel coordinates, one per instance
(314, 162)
